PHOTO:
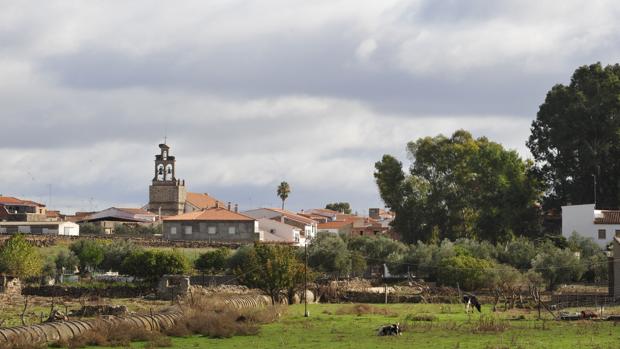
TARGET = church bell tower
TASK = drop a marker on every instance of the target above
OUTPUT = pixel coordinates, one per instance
(167, 194)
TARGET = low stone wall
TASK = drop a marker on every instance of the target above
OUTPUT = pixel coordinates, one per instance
(77, 292)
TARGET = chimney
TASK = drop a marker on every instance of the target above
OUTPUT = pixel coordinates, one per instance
(217, 204)
(228, 205)
(236, 207)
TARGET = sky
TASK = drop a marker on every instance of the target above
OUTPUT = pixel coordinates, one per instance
(252, 93)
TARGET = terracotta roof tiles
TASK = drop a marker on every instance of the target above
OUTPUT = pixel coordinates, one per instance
(212, 214)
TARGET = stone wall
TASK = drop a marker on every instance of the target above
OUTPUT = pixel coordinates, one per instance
(77, 292)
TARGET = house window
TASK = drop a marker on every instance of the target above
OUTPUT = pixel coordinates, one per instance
(203, 227)
(173, 230)
(618, 233)
(212, 230)
(188, 230)
(601, 234)
(296, 237)
(231, 230)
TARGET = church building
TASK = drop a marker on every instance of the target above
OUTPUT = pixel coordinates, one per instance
(168, 195)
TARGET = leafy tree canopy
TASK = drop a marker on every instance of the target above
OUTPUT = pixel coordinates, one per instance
(460, 187)
(576, 135)
(213, 261)
(343, 207)
(19, 258)
(274, 269)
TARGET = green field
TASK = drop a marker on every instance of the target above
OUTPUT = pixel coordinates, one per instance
(450, 328)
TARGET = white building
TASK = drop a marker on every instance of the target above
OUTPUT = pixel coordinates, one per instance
(40, 228)
(600, 225)
(276, 231)
(308, 226)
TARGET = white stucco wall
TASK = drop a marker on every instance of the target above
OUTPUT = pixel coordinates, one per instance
(580, 219)
(284, 231)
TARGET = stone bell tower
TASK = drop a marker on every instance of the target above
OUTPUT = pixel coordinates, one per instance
(167, 194)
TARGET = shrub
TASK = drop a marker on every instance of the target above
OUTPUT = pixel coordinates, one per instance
(328, 253)
(469, 272)
(518, 253)
(19, 258)
(153, 264)
(116, 252)
(557, 266)
(89, 252)
(213, 261)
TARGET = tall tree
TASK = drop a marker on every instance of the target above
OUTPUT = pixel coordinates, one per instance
(576, 136)
(343, 207)
(460, 187)
(19, 258)
(274, 269)
(283, 190)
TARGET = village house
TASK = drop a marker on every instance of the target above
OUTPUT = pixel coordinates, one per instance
(336, 227)
(18, 210)
(276, 231)
(599, 225)
(40, 228)
(112, 217)
(213, 224)
(308, 226)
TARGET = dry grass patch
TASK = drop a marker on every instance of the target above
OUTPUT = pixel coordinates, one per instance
(364, 309)
(488, 323)
(217, 320)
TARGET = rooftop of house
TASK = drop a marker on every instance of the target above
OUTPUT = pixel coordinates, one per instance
(607, 217)
(202, 200)
(293, 216)
(334, 224)
(119, 213)
(210, 214)
(9, 200)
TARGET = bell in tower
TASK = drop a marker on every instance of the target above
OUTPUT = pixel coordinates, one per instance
(164, 165)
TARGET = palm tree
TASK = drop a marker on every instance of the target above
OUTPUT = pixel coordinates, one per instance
(283, 190)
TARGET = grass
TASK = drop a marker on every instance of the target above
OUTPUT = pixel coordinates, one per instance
(426, 326)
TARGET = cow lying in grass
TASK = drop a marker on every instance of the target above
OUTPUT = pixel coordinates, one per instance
(390, 330)
(471, 300)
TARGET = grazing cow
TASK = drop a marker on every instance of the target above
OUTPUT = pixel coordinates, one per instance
(471, 300)
(390, 330)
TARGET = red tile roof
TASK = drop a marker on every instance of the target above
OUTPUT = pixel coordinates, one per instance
(334, 224)
(609, 217)
(202, 200)
(9, 200)
(293, 216)
(211, 214)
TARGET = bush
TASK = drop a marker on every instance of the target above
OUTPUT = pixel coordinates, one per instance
(19, 258)
(557, 265)
(328, 253)
(137, 230)
(153, 264)
(91, 229)
(213, 261)
(470, 273)
(89, 252)
(116, 252)
(518, 253)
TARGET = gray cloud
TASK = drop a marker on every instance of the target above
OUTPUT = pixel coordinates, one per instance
(251, 94)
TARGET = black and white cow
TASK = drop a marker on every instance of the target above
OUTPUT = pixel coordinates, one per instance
(390, 330)
(471, 300)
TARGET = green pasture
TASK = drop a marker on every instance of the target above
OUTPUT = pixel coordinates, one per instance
(449, 328)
